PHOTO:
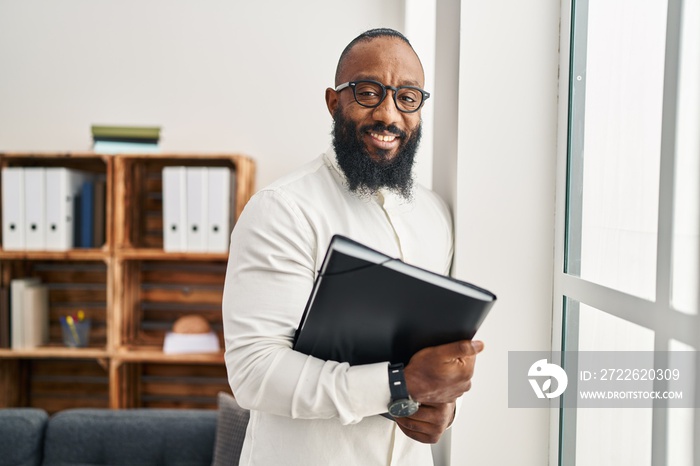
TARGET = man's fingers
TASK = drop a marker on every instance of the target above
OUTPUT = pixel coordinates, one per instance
(451, 351)
(462, 348)
(442, 373)
(428, 424)
(419, 430)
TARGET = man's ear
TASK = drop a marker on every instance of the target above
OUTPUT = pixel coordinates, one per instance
(331, 100)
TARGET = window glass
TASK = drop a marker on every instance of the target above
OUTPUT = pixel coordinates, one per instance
(608, 436)
(600, 331)
(618, 97)
(611, 436)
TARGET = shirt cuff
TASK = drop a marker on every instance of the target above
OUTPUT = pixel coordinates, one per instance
(369, 388)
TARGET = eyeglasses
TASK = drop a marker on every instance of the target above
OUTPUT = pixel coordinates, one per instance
(371, 94)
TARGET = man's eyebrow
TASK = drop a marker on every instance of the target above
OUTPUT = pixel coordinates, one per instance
(370, 77)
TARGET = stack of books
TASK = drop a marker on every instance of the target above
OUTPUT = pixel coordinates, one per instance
(24, 314)
(125, 139)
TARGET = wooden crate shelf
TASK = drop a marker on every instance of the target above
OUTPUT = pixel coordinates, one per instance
(157, 293)
(131, 290)
(159, 254)
(138, 183)
(54, 384)
(155, 354)
(167, 385)
(99, 164)
(55, 351)
(87, 254)
(73, 286)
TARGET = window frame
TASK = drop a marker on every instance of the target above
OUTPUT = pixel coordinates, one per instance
(657, 315)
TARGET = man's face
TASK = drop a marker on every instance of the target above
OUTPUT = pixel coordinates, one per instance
(378, 144)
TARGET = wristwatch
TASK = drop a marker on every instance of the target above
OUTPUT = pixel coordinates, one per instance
(401, 404)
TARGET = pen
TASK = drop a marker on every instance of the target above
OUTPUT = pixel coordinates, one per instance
(71, 325)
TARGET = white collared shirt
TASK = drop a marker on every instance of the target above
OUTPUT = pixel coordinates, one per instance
(306, 411)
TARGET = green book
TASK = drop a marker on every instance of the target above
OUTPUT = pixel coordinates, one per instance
(132, 133)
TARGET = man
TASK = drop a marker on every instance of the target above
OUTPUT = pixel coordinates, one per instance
(305, 411)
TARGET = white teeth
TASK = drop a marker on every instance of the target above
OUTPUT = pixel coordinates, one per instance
(382, 137)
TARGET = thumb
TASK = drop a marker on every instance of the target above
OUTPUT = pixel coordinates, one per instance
(478, 346)
(463, 348)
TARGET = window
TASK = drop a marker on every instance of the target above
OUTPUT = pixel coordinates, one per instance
(626, 277)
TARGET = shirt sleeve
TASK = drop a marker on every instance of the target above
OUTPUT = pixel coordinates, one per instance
(269, 277)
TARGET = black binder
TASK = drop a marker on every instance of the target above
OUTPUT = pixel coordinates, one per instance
(366, 307)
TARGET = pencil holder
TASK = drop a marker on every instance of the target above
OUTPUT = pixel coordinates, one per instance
(76, 333)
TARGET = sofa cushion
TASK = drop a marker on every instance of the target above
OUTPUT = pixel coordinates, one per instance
(135, 437)
(22, 436)
(231, 425)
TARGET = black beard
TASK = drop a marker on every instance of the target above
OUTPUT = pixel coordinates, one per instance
(365, 175)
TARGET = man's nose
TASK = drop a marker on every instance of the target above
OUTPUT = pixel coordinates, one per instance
(386, 111)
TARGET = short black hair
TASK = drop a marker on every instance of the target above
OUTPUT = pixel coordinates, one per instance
(366, 37)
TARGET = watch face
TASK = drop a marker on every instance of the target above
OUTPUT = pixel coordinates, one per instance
(403, 408)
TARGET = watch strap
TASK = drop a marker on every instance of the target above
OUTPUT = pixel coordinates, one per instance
(397, 382)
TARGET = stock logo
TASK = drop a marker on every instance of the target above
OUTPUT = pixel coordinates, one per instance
(542, 368)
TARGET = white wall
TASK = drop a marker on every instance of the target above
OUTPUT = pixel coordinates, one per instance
(217, 75)
(504, 211)
(420, 28)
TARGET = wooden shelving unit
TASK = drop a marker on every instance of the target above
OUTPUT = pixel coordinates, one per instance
(131, 289)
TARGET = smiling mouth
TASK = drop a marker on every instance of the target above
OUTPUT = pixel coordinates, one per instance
(383, 137)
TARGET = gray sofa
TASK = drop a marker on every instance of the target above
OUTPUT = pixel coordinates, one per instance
(133, 437)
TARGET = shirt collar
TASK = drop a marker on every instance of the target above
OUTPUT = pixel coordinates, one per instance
(332, 161)
(385, 197)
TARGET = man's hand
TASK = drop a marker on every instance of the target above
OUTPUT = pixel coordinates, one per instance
(441, 374)
(429, 422)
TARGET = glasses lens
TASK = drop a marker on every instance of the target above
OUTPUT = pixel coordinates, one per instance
(409, 99)
(368, 93)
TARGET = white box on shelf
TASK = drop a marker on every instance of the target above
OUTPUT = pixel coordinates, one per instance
(62, 186)
(183, 343)
(174, 209)
(13, 208)
(197, 209)
(219, 216)
(34, 208)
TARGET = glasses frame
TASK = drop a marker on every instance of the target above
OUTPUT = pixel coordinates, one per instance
(353, 86)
